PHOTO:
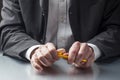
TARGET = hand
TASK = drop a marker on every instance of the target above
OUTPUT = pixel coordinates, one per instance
(80, 51)
(44, 56)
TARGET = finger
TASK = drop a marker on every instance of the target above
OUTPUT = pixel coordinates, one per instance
(35, 63)
(73, 52)
(62, 53)
(90, 60)
(62, 50)
(82, 54)
(52, 51)
(43, 60)
(65, 54)
(36, 66)
(45, 52)
(88, 54)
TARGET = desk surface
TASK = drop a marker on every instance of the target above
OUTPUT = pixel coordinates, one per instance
(12, 69)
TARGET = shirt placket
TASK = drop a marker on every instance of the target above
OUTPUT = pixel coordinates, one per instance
(52, 24)
(62, 21)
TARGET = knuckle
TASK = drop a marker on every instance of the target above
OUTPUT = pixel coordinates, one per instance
(49, 44)
(77, 42)
(85, 45)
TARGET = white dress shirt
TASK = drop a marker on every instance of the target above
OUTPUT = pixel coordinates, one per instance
(58, 28)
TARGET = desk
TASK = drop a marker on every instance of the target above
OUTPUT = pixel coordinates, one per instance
(12, 69)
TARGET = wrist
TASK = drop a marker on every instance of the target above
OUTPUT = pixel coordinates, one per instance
(96, 50)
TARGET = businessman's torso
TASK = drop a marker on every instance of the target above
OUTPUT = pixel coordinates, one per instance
(86, 17)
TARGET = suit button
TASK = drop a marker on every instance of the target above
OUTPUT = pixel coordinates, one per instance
(70, 12)
(43, 14)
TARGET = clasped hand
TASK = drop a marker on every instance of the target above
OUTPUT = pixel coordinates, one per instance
(46, 55)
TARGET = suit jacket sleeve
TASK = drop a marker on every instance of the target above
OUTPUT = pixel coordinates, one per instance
(14, 39)
(109, 40)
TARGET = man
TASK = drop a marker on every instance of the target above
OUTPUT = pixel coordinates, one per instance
(37, 29)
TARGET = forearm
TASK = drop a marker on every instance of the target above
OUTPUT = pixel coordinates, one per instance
(14, 39)
(107, 43)
(15, 42)
(108, 40)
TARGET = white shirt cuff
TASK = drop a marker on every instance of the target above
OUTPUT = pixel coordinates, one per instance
(97, 51)
(29, 51)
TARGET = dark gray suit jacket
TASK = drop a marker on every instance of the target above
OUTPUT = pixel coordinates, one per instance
(95, 21)
(0, 8)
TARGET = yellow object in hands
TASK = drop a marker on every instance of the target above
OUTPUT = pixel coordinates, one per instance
(60, 54)
(63, 56)
(84, 60)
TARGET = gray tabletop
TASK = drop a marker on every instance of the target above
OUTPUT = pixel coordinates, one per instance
(13, 69)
